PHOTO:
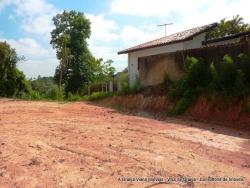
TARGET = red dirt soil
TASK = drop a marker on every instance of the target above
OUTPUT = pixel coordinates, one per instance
(229, 113)
(48, 144)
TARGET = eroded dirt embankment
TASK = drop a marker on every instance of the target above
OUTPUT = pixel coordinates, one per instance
(219, 112)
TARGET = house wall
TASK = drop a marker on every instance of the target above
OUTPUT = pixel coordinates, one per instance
(134, 56)
(153, 72)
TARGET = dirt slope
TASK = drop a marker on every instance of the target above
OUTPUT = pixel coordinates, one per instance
(219, 111)
(46, 144)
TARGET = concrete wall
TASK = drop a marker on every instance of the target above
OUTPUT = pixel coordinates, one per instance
(133, 57)
(152, 73)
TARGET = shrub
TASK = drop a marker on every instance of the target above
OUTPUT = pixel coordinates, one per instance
(240, 88)
(32, 95)
(228, 75)
(230, 79)
(215, 83)
(42, 84)
(197, 79)
(127, 90)
(12, 81)
(72, 97)
(243, 61)
(167, 81)
(98, 95)
(179, 88)
(182, 105)
(55, 94)
(198, 74)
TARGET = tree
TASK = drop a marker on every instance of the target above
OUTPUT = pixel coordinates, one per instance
(69, 38)
(103, 72)
(229, 27)
(12, 81)
(63, 55)
(43, 84)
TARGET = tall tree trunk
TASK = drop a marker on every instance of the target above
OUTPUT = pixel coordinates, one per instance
(60, 79)
(63, 65)
(89, 90)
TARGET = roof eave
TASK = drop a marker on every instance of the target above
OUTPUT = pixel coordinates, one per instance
(164, 44)
(154, 46)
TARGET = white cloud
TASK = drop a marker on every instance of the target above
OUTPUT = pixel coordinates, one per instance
(38, 60)
(42, 67)
(109, 36)
(157, 8)
(102, 29)
(12, 17)
(218, 10)
(184, 14)
(4, 3)
(189, 12)
(36, 15)
(28, 47)
(36, 19)
(104, 39)
(107, 52)
(38, 25)
(33, 7)
(131, 35)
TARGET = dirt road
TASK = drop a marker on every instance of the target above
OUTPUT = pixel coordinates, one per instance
(45, 144)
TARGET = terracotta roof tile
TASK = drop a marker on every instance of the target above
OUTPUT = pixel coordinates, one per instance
(174, 38)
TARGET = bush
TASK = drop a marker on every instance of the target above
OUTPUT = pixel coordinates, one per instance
(12, 81)
(72, 97)
(240, 89)
(228, 75)
(198, 73)
(178, 89)
(55, 94)
(243, 61)
(32, 95)
(215, 83)
(127, 90)
(229, 80)
(196, 80)
(182, 105)
(167, 81)
(42, 84)
(98, 95)
(35, 95)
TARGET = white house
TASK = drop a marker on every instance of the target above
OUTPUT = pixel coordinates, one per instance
(154, 74)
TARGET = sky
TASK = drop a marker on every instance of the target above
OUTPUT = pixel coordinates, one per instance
(115, 25)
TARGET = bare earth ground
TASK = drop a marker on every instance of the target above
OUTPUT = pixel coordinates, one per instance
(45, 144)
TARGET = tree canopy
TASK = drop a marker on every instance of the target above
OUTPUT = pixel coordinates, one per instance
(69, 38)
(78, 67)
(103, 70)
(12, 80)
(229, 27)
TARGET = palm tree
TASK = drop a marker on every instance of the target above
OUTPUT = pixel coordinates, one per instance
(229, 27)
